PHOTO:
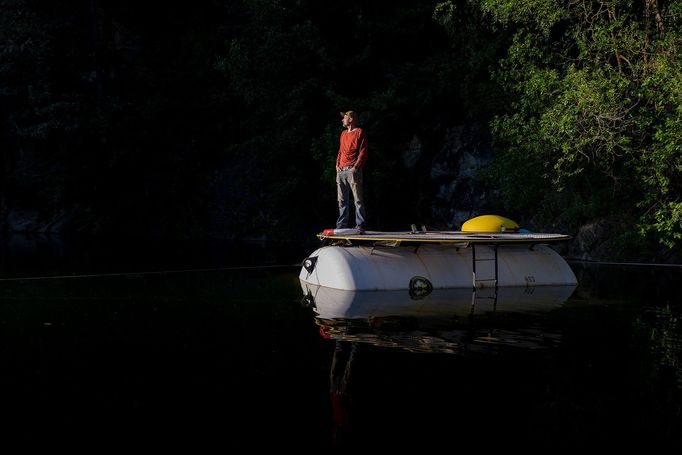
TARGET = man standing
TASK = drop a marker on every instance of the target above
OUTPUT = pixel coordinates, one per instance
(349, 164)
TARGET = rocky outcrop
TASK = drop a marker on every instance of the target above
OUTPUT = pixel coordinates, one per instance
(593, 242)
(459, 194)
(35, 221)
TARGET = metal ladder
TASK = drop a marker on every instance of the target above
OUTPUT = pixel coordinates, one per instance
(475, 297)
(475, 260)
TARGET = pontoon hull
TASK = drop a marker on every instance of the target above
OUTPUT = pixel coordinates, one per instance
(440, 266)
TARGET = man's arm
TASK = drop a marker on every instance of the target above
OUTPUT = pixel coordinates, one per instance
(362, 154)
(338, 155)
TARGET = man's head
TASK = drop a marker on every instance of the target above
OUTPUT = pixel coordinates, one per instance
(349, 118)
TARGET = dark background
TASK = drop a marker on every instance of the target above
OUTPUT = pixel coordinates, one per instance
(219, 119)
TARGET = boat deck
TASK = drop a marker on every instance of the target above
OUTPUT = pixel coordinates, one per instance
(444, 237)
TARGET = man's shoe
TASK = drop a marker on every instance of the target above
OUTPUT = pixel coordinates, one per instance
(360, 229)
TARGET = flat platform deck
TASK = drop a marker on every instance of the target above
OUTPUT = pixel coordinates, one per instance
(457, 237)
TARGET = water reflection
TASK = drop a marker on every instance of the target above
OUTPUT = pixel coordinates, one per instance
(340, 391)
(453, 321)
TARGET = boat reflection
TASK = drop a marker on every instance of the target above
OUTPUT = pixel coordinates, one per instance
(453, 321)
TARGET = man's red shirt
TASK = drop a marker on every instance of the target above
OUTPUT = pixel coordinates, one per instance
(352, 148)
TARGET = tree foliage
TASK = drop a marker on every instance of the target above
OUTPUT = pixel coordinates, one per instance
(223, 117)
(593, 90)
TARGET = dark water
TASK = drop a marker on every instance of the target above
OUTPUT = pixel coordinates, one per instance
(245, 358)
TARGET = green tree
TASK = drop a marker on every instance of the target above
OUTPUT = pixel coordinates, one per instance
(592, 120)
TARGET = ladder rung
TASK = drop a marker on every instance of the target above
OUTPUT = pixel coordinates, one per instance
(480, 281)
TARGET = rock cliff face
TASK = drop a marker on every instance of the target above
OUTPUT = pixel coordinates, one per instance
(593, 242)
(46, 221)
(466, 151)
(460, 194)
(451, 170)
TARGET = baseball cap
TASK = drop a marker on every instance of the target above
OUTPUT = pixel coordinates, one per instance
(351, 114)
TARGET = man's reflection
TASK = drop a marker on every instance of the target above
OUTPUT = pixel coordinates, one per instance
(339, 382)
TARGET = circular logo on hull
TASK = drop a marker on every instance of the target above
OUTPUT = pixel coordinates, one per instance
(420, 287)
